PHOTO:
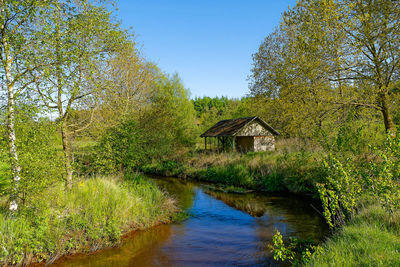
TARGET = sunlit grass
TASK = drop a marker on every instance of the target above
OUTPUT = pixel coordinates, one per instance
(371, 239)
(94, 214)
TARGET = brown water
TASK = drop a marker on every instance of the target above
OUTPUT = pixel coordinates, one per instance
(225, 229)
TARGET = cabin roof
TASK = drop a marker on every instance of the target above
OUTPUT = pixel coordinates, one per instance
(233, 126)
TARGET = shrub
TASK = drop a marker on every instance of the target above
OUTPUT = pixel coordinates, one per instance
(39, 156)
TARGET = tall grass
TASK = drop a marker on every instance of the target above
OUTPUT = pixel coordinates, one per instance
(296, 171)
(372, 238)
(94, 214)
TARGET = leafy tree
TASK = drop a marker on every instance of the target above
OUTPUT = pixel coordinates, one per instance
(120, 148)
(159, 130)
(328, 56)
(83, 36)
(39, 156)
(128, 85)
(168, 119)
(22, 25)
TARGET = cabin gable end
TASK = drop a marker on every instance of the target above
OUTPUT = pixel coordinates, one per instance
(254, 128)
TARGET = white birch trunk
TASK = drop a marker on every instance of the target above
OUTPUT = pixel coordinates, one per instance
(16, 168)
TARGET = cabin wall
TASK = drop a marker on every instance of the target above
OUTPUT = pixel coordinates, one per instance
(254, 129)
(264, 143)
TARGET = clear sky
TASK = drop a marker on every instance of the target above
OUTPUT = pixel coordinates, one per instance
(209, 43)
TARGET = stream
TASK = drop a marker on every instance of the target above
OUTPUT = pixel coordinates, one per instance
(225, 229)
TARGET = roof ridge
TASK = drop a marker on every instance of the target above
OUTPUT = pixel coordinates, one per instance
(230, 127)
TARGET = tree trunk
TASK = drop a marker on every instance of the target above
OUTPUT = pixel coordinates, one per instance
(63, 114)
(67, 155)
(387, 116)
(16, 168)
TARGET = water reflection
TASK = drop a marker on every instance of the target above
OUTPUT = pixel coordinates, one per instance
(137, 250)
(295, 215)
(183, 191)
(225, 230)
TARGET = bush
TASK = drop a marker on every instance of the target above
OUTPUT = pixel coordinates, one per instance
(120, 147)
(39, 154)
(347, 182)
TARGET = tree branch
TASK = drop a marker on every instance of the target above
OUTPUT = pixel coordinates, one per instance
(356, 104)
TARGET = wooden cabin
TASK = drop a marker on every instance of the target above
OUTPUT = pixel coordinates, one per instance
(242, 135)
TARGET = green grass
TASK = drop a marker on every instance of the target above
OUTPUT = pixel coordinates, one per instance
(372, 238)
(295, 171)
(93, 215)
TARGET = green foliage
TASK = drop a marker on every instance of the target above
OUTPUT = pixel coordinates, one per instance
(169, 119)
(40, 159)
(5, 168)
(180, 216)
(204, 104)
(326, 57)
(299, 170)
(39, 156)
(94, 214)
(297, 252)
(340, 193)
(160, 136)
(347, 181)
(119, 148)
(231, 174)
(382, 180)
(352, 138)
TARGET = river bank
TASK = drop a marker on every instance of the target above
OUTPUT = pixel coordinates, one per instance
(295, 172)
(93, 215)
(371, 238)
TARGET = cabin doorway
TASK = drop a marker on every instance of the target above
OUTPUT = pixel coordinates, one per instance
(244, 143)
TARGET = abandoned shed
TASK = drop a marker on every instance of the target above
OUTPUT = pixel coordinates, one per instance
(243, 135)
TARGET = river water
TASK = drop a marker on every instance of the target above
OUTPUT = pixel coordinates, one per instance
(225, 229)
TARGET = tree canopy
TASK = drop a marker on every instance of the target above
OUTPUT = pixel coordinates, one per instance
(328, 57)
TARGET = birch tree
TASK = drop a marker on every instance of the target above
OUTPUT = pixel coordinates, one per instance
(21, 28)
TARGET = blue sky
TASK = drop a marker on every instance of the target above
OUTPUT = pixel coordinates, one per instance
(208, 43)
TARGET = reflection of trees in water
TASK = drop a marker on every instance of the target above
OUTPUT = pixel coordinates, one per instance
(286, 213)
(143, 248)
(182, 191)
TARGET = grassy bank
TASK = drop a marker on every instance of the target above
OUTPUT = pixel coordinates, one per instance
(295, 172)
(93, 215)
(372, 238)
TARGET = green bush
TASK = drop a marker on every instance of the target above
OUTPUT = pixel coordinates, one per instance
(346, 182)
(120, 147)
(39, 154)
